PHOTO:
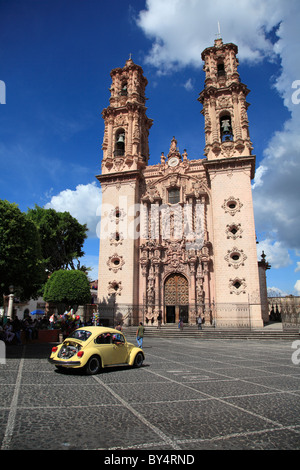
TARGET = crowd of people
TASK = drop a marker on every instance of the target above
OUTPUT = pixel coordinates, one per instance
(11, 330)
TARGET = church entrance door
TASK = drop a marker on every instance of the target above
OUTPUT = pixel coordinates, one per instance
(176, 299)
(170, 314)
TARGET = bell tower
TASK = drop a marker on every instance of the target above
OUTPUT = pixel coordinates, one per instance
(125, 155)
(224, 104)
(125, 144)
(230, 166)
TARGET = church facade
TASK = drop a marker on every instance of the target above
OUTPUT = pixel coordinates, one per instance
(178, 238)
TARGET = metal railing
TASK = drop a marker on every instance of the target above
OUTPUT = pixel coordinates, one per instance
(223, 315)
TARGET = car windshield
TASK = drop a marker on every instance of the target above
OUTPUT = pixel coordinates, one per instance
(83, 335)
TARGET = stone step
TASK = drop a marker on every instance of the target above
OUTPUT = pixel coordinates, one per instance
(209, 332)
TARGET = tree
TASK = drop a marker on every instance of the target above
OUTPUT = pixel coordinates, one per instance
(20, 253)
(69, 287)
(61, 235)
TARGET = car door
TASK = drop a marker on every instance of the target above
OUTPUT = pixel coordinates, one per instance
(105, 347)
(112, 348)
(119, 353)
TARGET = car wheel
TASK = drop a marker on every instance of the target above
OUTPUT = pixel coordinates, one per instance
(138, 361)
(93, 366)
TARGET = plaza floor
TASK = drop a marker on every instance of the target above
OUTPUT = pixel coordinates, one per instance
(189, 395)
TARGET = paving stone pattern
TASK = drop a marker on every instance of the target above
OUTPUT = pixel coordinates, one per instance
(190, 395)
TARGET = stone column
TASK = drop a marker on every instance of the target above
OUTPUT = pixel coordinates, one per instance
(192, 291)
(129, 136)
(10, 306)
(144, 228)
(157, 287)
(110, 138)
(237, 125)
(206, 289)
(143, 291)
(214, 121)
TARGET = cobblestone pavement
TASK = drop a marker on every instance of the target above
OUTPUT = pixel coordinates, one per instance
(190, 395)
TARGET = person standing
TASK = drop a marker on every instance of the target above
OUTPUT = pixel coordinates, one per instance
(52, 320)
(140, 335)
(199, 321)
(17, 329)
(9, 331)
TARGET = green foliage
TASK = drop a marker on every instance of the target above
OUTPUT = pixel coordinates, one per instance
(20, 253)
(69, 287)
(33, 244)
(61, 235)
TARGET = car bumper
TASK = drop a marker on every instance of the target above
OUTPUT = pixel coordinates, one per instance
(64, 363)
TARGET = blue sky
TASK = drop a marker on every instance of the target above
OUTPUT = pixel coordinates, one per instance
(55, 62)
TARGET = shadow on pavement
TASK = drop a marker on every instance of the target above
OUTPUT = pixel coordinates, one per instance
(29, 351)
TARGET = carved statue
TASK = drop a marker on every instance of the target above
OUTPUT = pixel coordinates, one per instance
(150, 295)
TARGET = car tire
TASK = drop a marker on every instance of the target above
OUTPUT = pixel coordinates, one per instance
(139, 359)
(93, 366)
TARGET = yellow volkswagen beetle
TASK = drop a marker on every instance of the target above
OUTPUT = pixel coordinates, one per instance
(95, 347)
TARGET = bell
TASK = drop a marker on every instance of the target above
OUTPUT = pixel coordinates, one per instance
(121, 139)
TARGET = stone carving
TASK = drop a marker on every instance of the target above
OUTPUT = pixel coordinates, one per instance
(114, 287)
(233, 231)
(116, 238)
(224, 102)
(115, 262)
(237, 286)
(232, 205)
(117, 214)
(235, 257)
(151, 194)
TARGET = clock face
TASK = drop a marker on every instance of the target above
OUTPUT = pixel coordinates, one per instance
(173, 161)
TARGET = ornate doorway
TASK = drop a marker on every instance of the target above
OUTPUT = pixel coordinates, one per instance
(176, 299)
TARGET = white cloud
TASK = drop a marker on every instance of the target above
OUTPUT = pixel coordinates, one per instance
(297, 287)
(276, 253)
(276, 292)
(188, 85)
(181, 29)
(298, 267)
(83, 204)
(258, 180)
(276, 197)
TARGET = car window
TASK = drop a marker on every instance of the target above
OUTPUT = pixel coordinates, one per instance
(105, 338)
(83, 335)
(118, 338)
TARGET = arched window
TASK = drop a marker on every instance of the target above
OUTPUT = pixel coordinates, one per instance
(226, 128)
(120, 143)
(221, 69)
(174, 195)
(124, 89)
